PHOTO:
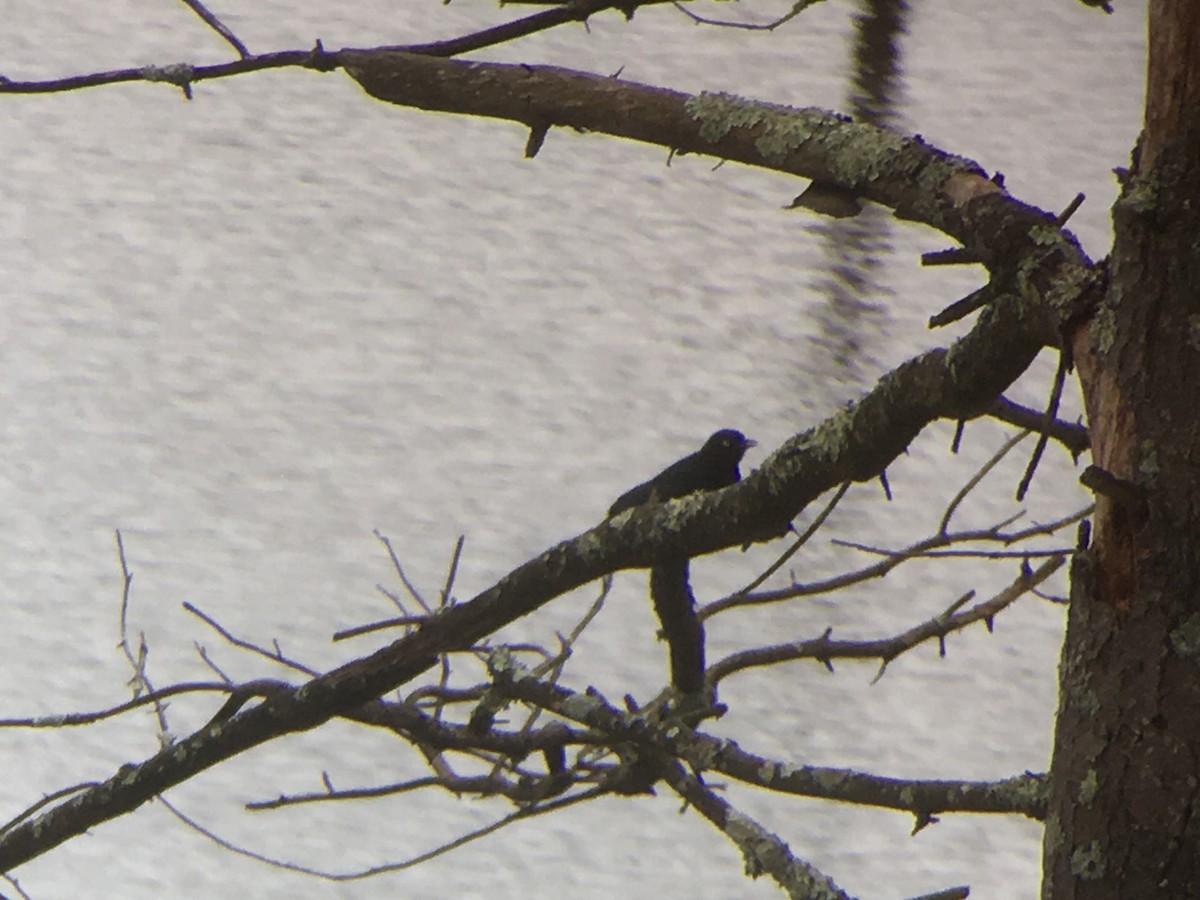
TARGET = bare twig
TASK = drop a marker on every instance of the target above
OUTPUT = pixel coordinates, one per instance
(1025, 794)
(552, 668)
(202, 651)
(443, 684)
(791, 551)
(1071, 209)
(453, 571)
(63, 720)
(381, 625)
(920, 550)
(274, 655)
(561, 13)
(17, 887)
(1060, 377)
(974, 480)
(960, 309)
(216, 25)
(528, 790)
(825, 649)
(954, 893)
(399, 569)
(953, 554)
(798, 7)
(1071, 435)
(527, 812)
(140, 681)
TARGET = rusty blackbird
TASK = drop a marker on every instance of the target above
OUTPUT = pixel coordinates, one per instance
(715, 465)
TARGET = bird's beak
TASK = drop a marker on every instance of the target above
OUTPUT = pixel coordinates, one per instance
(751, 443)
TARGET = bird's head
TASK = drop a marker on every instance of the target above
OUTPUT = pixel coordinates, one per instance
(727, 444)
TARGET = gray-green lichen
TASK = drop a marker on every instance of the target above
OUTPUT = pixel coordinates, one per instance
(1149, 462)
(829, 438)
(751, 839)
(681, 512)
(1140, 194)
(1088, 701)
(1088, 788)
(1103, 328)
(933, 177)
(862, 153)
(1048, 236)
(1027, 792)
(1185, 638)
(786, 770)
(786, 129)
(580, 706)
(594, 543)
(765, 852)
(704, 756)
(501, 661)
(1053, 835)
(1087, 862)
(180, 74)
(830, 779)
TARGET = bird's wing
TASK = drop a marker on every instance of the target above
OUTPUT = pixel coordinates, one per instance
(635, 496)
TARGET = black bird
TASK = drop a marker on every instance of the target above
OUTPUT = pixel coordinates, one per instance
(715, 465)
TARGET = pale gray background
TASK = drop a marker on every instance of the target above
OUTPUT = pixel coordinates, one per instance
(249, 329)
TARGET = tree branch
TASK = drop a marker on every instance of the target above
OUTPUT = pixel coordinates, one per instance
(1057, 285)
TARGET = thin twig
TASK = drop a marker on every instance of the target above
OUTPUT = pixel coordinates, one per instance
(945, 554)
(825, 648)
(1060, 377)
(63, 720)
(1025, 794)
(381, 625)
(1072, 207)
(974, 480)
(216, 25)
(554, 665)
(791, 551)
(17, 887)
(202, 651)
(140, 681)
(275, 655)
(796, 9)
(551, 670)
(524, 791)
(892, 559)
(963, 307)
(561, 13)
(527, 812)
(399, 569)
(1072, 435)
(454, 560)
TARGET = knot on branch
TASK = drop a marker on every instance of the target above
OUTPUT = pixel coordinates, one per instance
(320, 59)
(178, 74)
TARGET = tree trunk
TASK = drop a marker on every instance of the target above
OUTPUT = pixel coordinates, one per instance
(1124, 817)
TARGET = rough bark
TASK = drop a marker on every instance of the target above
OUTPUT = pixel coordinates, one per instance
(1126, 769)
